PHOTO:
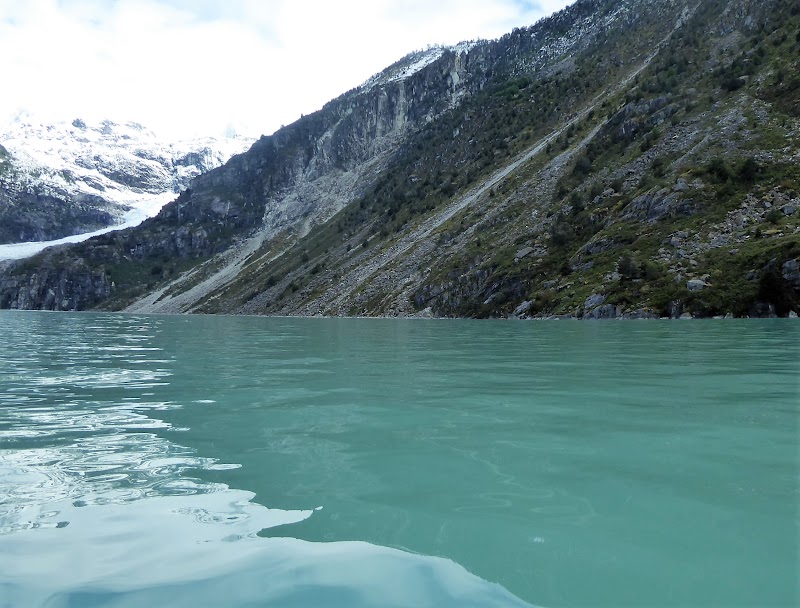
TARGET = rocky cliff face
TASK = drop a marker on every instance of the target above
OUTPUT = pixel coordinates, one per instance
(617, 159)
(306, 172)
(69, 286)
(28, 214)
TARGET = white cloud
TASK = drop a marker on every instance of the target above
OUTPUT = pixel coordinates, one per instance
(196, 66)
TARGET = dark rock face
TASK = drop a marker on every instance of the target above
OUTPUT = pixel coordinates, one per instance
(779, 289)
(696, 285)
(55, 288)
(593, 301)
(791, 273)
(658, 205)
(29, 216)
(640, 314)
(606, 311)
(637, 117)
(763, 310)
(202, 159)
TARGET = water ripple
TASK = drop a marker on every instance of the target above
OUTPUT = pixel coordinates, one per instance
(67, 433)
(91, 484)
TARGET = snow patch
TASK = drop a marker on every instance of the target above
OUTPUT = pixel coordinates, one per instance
(465, 47)
(405, 68)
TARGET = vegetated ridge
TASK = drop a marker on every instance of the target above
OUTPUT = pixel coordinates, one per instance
(618, 159)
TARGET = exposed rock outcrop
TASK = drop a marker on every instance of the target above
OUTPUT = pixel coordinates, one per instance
(56, 287)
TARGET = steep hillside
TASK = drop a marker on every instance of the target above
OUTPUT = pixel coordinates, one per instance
(60, 179)
(617, 159)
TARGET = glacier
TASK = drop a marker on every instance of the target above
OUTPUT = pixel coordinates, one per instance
(124, 171)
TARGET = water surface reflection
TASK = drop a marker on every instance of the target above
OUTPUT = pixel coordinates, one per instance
(100, 504)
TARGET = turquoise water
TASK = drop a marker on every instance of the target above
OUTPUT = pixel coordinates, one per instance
(212, 461)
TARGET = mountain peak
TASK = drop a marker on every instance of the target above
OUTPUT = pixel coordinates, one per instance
(99, 171)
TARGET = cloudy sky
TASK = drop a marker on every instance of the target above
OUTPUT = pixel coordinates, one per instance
(185, 67)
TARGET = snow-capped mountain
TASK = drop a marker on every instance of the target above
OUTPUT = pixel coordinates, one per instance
(66, 178)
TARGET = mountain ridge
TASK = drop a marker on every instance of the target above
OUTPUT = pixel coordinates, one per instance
(644, 197)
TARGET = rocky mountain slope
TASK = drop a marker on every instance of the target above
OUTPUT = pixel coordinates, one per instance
(62, 179)
(621, 158)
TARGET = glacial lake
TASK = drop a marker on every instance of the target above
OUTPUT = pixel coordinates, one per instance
(232, 461)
